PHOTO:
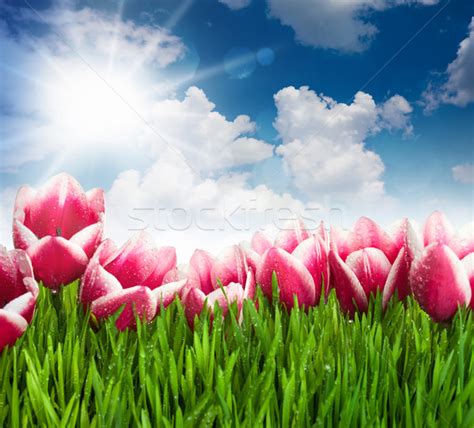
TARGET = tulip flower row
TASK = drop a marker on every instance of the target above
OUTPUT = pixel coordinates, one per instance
(58, 236)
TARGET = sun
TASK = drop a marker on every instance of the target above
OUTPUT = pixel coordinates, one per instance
(92, 106)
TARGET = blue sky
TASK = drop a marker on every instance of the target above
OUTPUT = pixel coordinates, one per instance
(91, 88)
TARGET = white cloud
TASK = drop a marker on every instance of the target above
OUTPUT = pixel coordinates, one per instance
(458, 87)
(464, 173)
(235, 4)
(7, 199)
(335, 24)
(395, 114)
(95, 35)
(324, 142)
(205, 136)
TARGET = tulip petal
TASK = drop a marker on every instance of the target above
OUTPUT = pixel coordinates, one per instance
(12, 327)
(97, 282)
(21, 212)
(413, 242)
(23, 305)
(261, 242)
(22, 264)
(22, 236)
(437, 229)
(166, 293)
(134, 262)
(322, 232)
(312, 253)
(398, 277)
(367, 233)
(463, 242)
(439, 282)
(165, 260)
(349, 291)
(225, 296)
(397, 232)
(60, 208)
(193, 300)
(106, 251)
(339, 242)
(292, 234)
(293, 277)
(8, 277)
(24, 197)
(230, 266)
(252, 258)
(96, 202)
(250, 286)
(468, 263)
(89, 238)
(173, 275)
(405, 237)
(202, 261)
(31, 286)
(371, 267)
(193, 279)
(15, 269)
(139, 301)
(57, 261)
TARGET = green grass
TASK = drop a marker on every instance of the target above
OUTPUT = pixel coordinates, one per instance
(315, 368)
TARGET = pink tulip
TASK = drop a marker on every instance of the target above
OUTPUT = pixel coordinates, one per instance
(261, 242)
(300, 252)
(132, 276)
(291, 235)
(293, 277)
(468, 263)
(202, 261)
(323, 234)
(18, 293)
(233, 265)
(442, 276)
(438, 229)
(225, 280)
(60, 227)
(348, 288)
(409, 245)
(313, 253)
(440, 281)
(366, 233)
(368, 259)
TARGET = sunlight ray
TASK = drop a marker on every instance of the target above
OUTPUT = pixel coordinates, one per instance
(24, 76)
(54, 166)
(113, 44)
(51, 63)
(212, 71)
(172, 21)
(178, 14)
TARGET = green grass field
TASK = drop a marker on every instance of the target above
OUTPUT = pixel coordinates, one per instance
(315, 368)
